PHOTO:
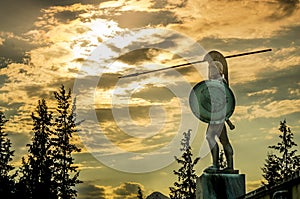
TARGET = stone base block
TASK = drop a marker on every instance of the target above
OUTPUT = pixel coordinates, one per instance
(220, 186)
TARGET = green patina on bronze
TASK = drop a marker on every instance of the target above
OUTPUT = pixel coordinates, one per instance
(212, 101)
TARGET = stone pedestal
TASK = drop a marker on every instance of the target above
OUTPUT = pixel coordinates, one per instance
(220, 186)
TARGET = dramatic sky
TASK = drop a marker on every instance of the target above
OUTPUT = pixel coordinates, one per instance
(133, 126)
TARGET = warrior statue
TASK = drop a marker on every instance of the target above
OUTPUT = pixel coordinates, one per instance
(213, 102)
(219, 130)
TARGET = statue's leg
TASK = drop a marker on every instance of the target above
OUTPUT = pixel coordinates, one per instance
(211, 133)
(215, 154)
(227, 148)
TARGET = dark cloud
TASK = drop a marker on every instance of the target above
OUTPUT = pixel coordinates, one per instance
(11, 109)
(87, 160)
(270, 84)
(19, 141)
(282, 38)
(154, 93)
(19, 15)
(159, 4)
(108, 80)
(14, 50)
(137, 56)
(3, 79)
(286, 8)
(71, 2)
(87, 190)
(66, 16)
(287, 36)
(127, 190)
(104, 81)
(104, 114)
(144, 50)
(41, 92)
(181, 4)
(67, 82)
(112, 132)
(187, 70)
(226, 44)
(47, 90)
(137, 113)
(165, 41)
(138, 19)
(4, 62)
(148, 54)
(281, 80)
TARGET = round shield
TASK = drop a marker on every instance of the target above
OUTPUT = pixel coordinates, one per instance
(212, 101)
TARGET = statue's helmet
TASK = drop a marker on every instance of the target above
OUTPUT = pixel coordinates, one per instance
(216, 70)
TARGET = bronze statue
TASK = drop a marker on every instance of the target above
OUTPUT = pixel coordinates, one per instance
(213, 102)
(219, 72)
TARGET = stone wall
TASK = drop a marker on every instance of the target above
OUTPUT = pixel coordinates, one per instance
(286, 190)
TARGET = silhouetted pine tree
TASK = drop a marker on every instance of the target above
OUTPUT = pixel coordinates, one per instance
(36, 179)
(281, 167)
(272, 169)
(6, 180)
(185, 188)
(66, 174)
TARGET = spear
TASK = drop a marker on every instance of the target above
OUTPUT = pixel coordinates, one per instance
(195, 62)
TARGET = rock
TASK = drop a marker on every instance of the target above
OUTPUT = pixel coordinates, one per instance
(157, 195)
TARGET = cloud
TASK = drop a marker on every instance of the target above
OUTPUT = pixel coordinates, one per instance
(273, 109)
(127, 190)
(286, 9)
(4, 62)
(273, 94)
(3, 79)
(170, 4)
(270, 84)
(138, 56)
(159, 4)
(21, 45)
(14, 49)
(294, 92)
(263, 92)
(282, 60)
(219, 18)
(284, 42)
(11, 12)
(148, 121)
(19, 141)
(154, 93)
(59, 38)
(137, 19)
(67, 15)
(226, 44)
(88, 190)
